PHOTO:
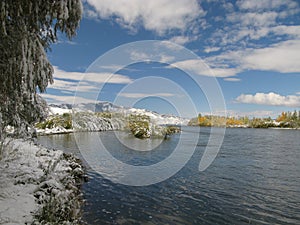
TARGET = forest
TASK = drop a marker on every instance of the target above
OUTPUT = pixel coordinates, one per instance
(284, 120)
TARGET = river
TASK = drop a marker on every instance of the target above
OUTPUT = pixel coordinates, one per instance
(255, 179)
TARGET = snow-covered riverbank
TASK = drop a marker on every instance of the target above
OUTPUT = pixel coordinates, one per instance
(62, 119)
(38, 185)
(42, 186)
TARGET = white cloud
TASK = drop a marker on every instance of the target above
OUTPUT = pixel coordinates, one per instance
(146, 57)
(166, 58)
(211, 49)
(228, 6)
(139, 56)
(292, 31)
(283, 57)
(259, 36)
(169, 45)
(270, 99)
(199, 67)
(90, 77)
(253, 18)
(112, 67)
(222, 72)
(144, 95)
(243, 35)
(182, 40)
(159, 16)
(67, 83)
(71, 86)
(60, 99)
(259, 5)
(66, 42)
(232, 79)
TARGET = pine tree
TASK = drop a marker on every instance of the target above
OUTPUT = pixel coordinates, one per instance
(27, 29)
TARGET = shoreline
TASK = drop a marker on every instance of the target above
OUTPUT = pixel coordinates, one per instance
(245, 127)
(39, 182)
(39, 185)
(70, 131)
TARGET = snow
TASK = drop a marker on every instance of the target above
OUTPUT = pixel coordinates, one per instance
(159, 118)
(30, 174)
(54, 130)
(59, 111)
(87, 121)
(91, 122)
(109, 107)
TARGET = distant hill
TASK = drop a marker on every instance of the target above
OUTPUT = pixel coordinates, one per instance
(110, 107)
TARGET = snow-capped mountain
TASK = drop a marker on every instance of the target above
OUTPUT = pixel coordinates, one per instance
(98, 107)
(157, 118)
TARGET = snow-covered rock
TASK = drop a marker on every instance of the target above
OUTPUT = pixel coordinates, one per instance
(92, 122)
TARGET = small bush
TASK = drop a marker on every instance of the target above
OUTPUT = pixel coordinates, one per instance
(172, 130)
(107, 115)
(139, 125)
(64, 121)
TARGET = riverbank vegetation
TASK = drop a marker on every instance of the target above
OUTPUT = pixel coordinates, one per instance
(139, 125)
(142, 127)
(64, 120)
(284, 120)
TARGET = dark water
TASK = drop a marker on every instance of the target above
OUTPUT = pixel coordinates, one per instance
(255, 179)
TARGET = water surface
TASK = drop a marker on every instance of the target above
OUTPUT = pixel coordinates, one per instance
(255, 179)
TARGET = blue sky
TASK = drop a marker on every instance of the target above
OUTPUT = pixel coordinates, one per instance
(251, 47)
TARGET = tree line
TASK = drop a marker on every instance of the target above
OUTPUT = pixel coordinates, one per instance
(284, 120)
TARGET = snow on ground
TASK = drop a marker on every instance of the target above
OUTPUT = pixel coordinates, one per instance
(59, 111)
(158, 118)
(54, 130)
(109, 107)
(88, 122)
(31, 177)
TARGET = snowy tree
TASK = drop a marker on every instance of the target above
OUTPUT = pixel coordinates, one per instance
(27, 29)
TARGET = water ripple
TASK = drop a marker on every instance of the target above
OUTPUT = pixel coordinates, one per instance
(255, 179)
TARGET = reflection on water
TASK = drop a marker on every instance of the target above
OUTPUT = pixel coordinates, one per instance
(255, 179)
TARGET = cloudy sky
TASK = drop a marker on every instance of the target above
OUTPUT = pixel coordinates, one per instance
(250, 48)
